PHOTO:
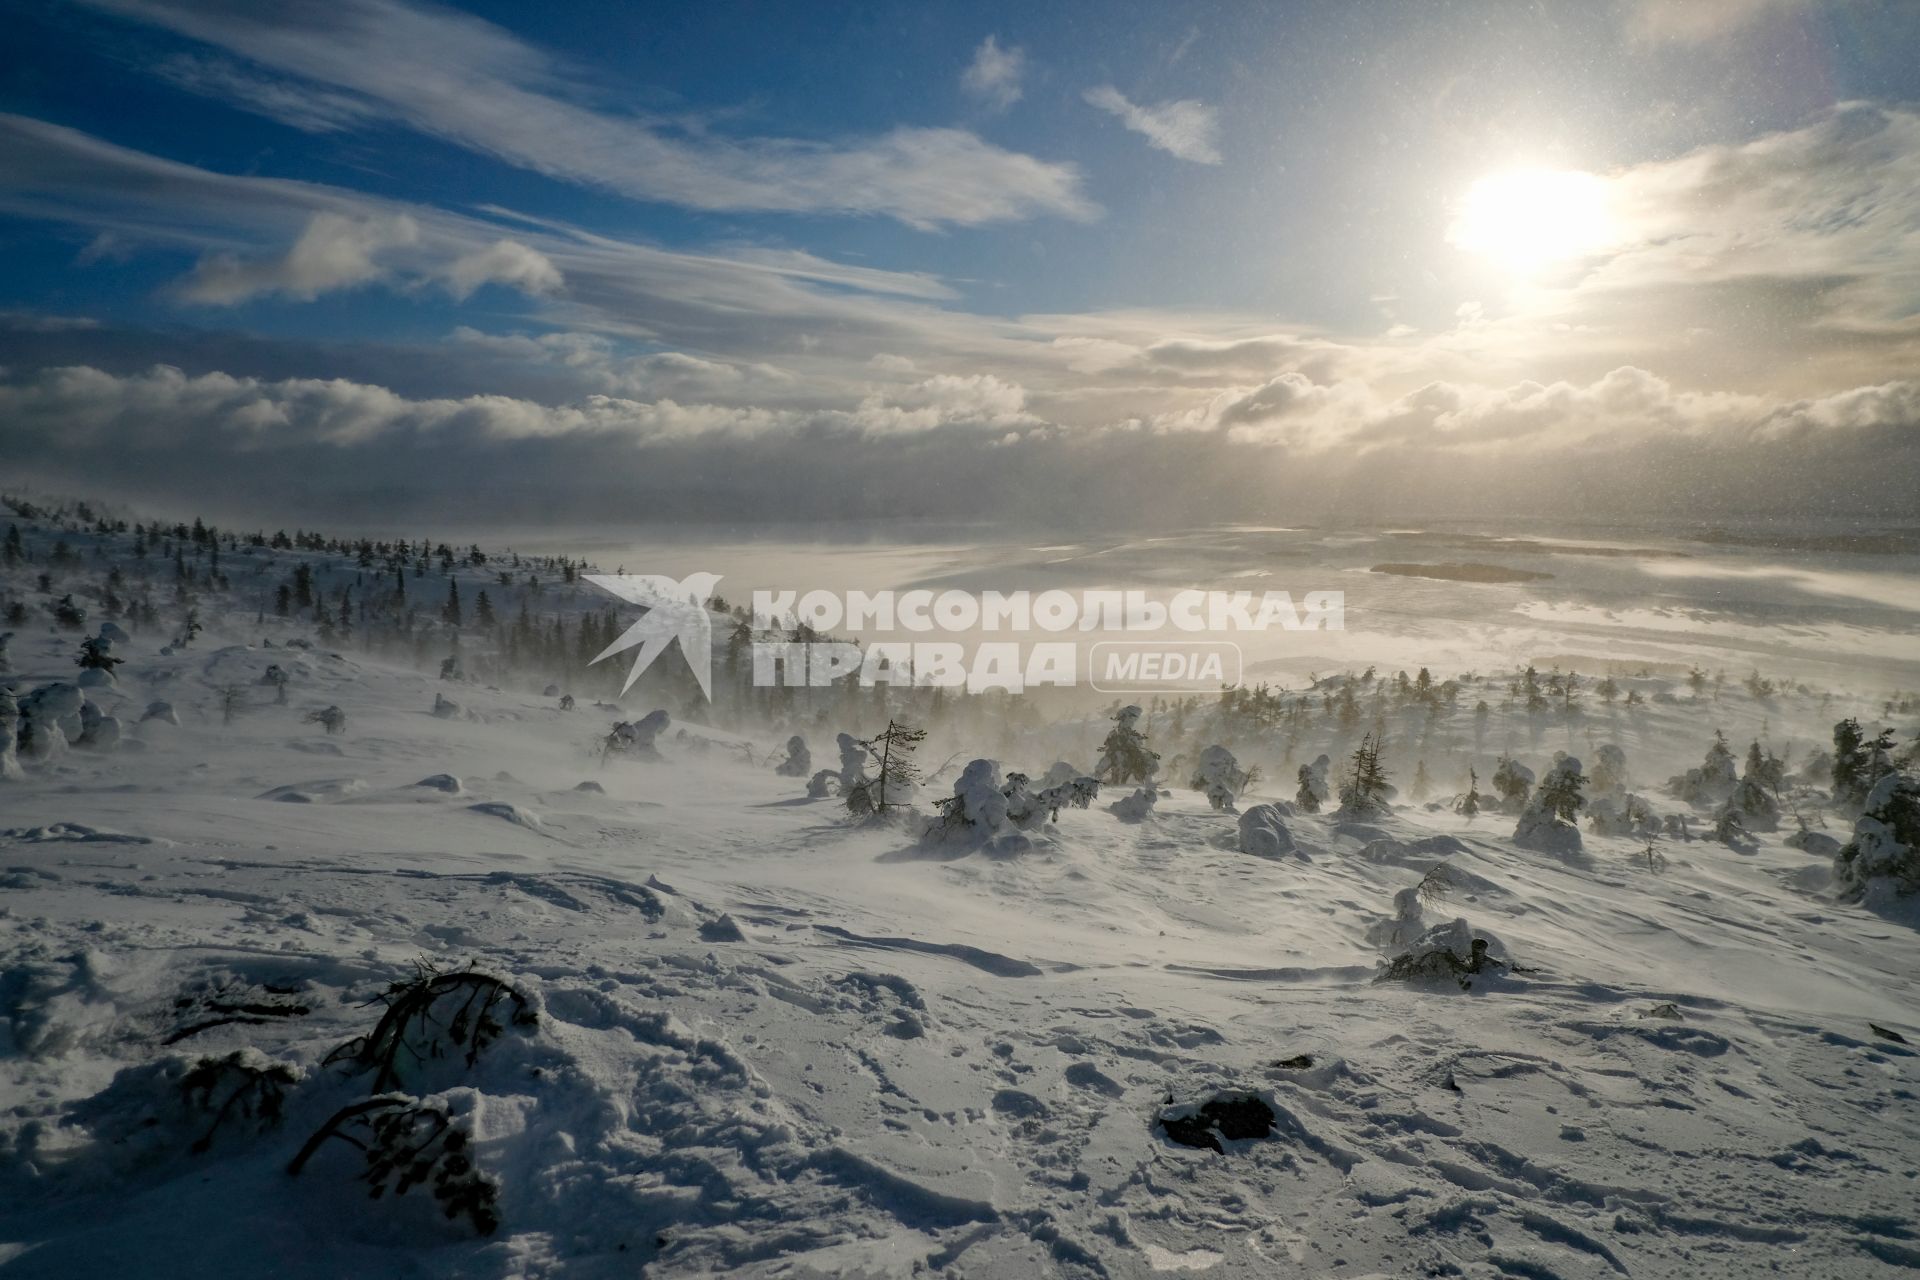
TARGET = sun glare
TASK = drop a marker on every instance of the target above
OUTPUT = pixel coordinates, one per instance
(1529, 219)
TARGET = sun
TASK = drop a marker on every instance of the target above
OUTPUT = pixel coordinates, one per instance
(1530, 219)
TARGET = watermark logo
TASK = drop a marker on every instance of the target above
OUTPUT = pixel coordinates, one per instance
(1148, 666)
(676, 609)
(792, 645)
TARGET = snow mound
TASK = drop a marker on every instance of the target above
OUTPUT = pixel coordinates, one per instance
(325, 791)
(509, 812)
(72, 833)
(1137, 807)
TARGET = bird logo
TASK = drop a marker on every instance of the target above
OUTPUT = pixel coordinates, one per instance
(676, 609)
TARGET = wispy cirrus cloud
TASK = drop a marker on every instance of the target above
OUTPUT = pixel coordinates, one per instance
(461, 79)
(993, 77)
(1186, 128)
(307, 107)
(257, 236)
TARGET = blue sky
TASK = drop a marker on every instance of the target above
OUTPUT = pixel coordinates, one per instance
(1253, 242)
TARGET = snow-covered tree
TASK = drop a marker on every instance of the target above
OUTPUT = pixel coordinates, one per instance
(1074, 793)
(1884, 855)
(853, 762)
(1609, 769)
(1219, 776)
(50, 720)
(1124, 756)
(9, 730)
(635, 739)
(1313, 790)
(977, 807)
(1754, 803)
(1765, 768)
(799, 761)
(1514, 782)
(1713, 782)
(1547, 823)
(1859, 763)
(332, 719)
(1729, 830)
(1305, 797)
(1621, 813)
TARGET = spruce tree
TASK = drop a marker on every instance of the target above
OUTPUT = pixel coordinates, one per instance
(1306, 798)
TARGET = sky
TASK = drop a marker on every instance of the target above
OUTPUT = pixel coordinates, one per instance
(1117, 264)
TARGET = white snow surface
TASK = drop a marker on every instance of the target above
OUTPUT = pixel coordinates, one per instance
(772, 1043)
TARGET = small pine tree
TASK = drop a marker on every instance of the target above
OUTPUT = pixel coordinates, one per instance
(94, 656)
(892, 751)
(450, 612)
(1469, 804)
(1363, 793)
(482, 609)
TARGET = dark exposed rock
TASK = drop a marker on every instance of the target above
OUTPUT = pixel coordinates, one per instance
(1225, 1117)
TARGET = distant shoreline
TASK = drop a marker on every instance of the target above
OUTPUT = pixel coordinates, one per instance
(1462, 572)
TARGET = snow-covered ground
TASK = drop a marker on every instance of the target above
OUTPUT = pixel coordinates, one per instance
(771, 1042)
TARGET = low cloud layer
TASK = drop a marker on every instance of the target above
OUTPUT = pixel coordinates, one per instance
(963, 448)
